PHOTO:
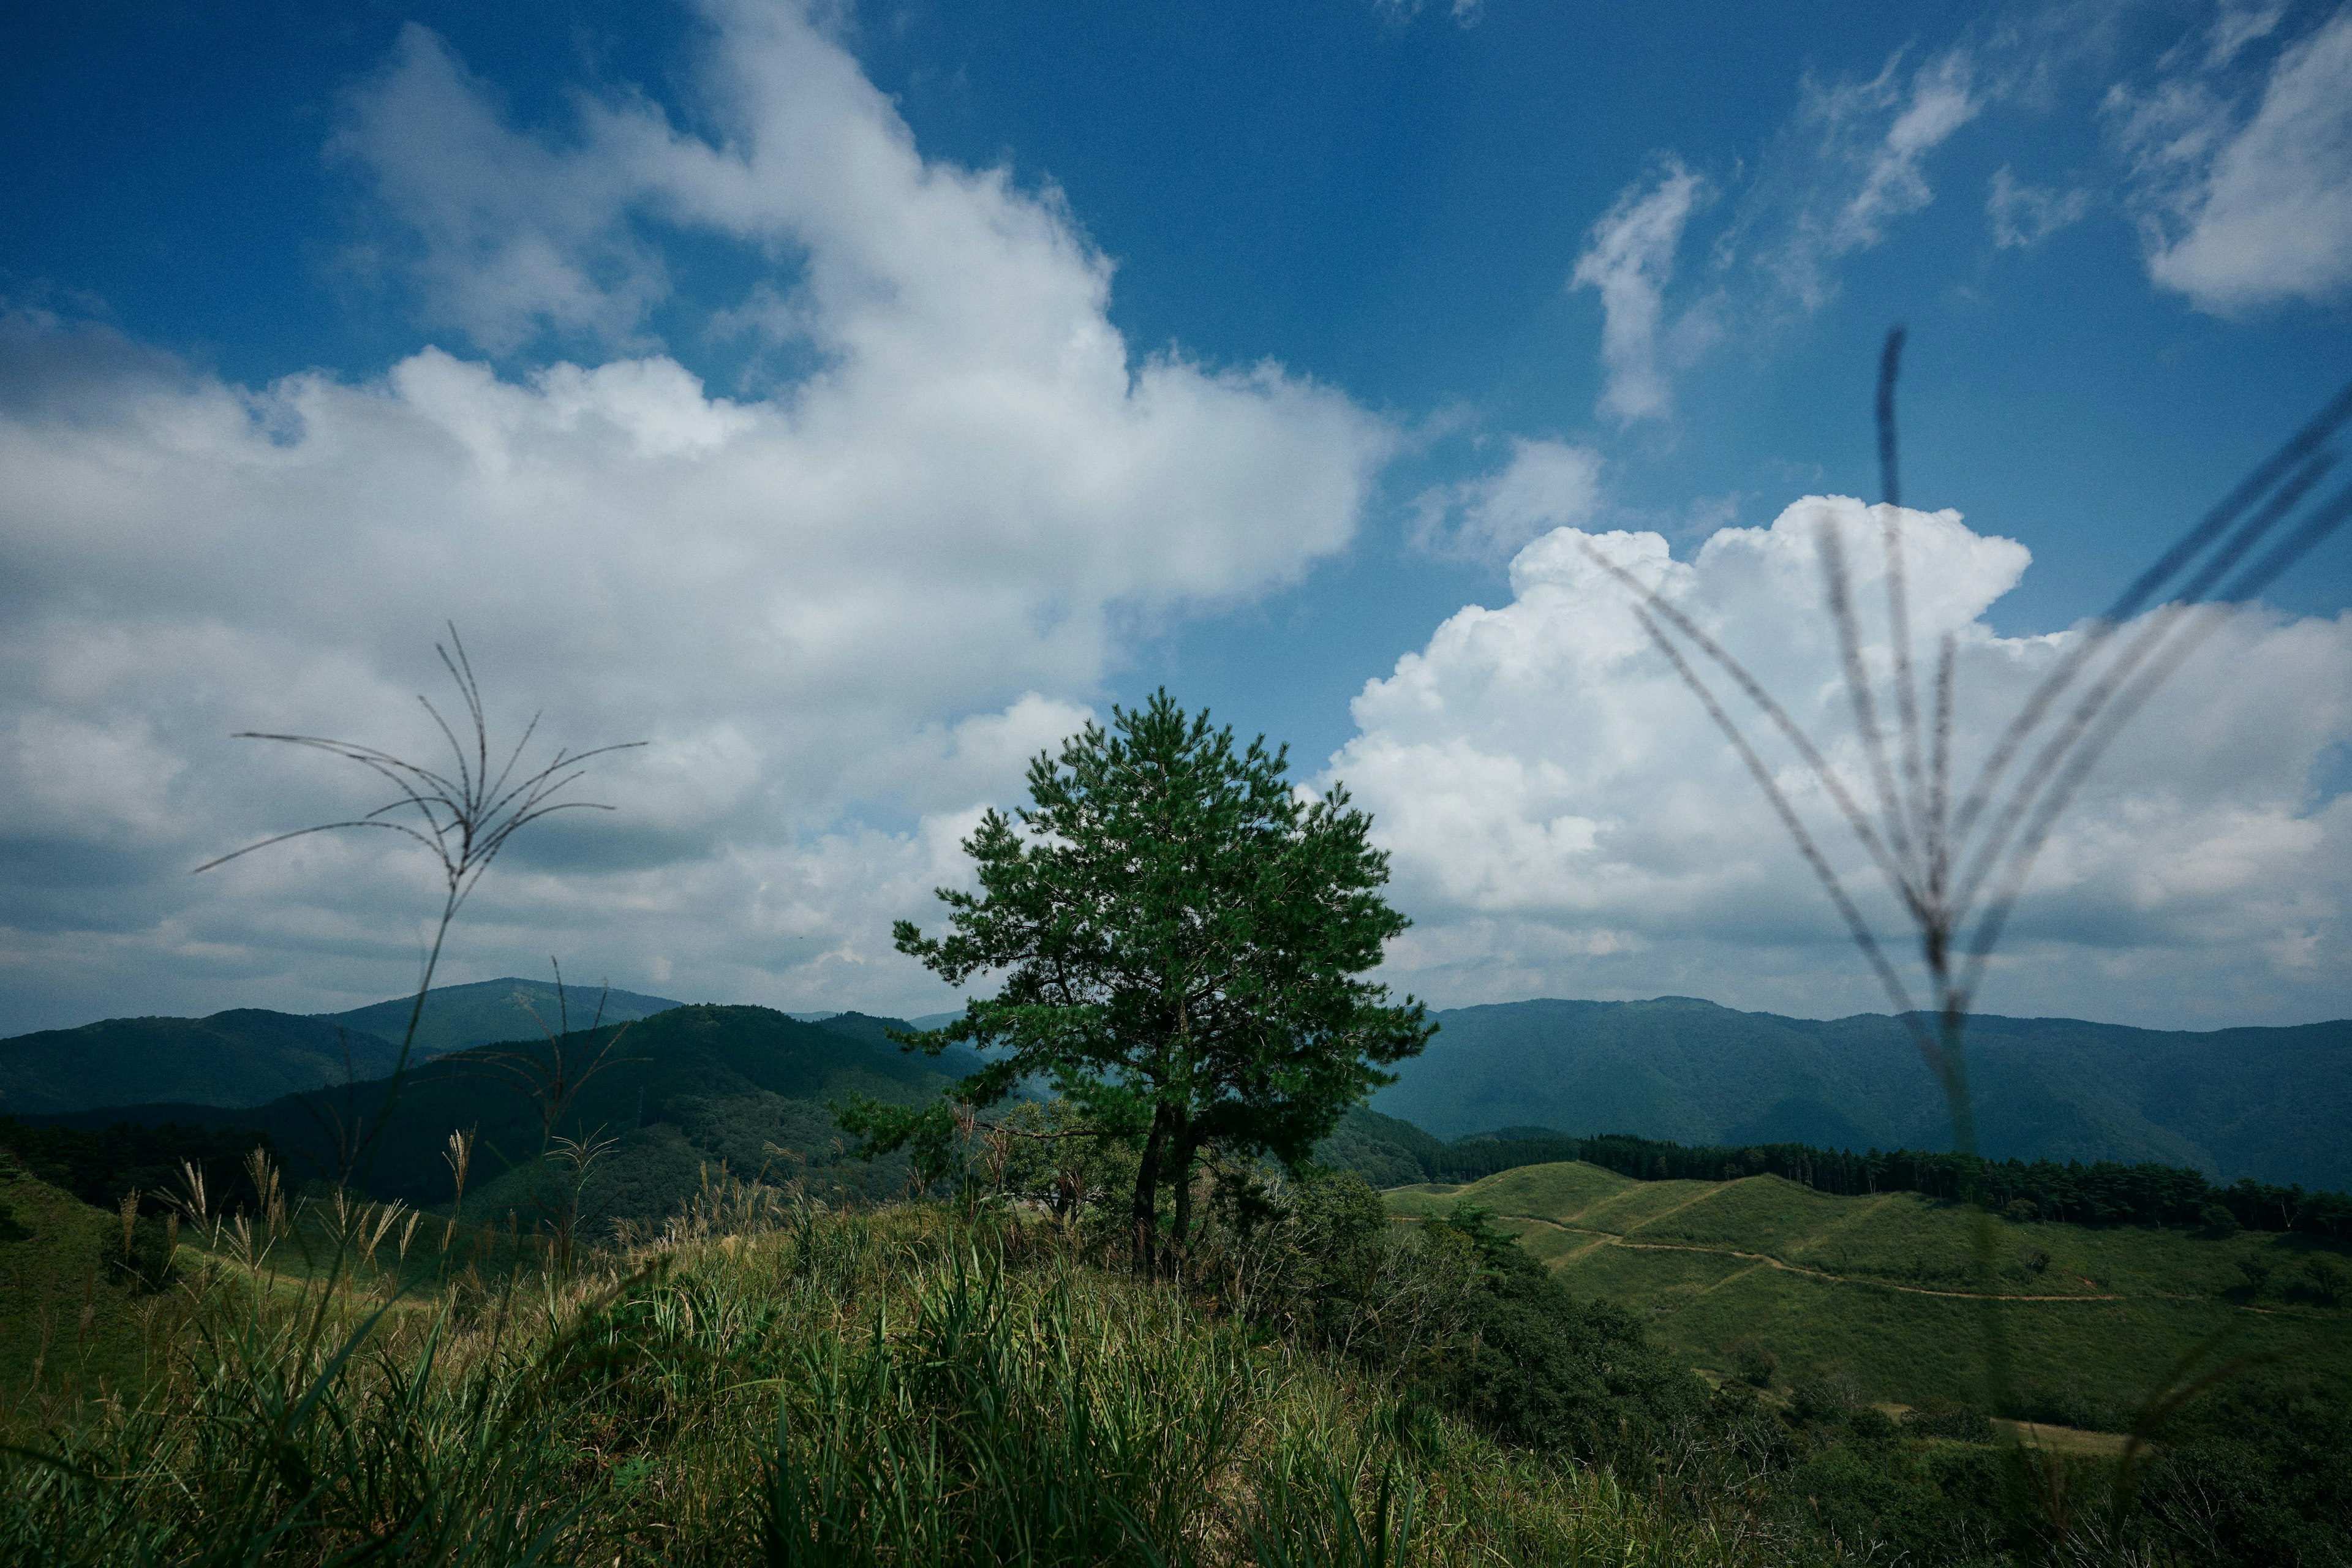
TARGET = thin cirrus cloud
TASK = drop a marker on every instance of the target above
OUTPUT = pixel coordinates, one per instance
(1860, 151)
(845, 614)
(2023, 216)
(1564, 819)
(2243, 190)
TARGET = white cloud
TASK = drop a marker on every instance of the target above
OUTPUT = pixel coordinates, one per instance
(1859, 152)
(2242, 212)
(1629, 260)
(1566, 820)
(844, 615)
(1545, 485)
(2023, 216)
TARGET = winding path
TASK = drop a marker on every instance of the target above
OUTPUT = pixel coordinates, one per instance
(1611, 1238)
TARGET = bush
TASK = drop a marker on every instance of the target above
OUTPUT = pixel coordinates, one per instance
(148, 1263)
(2218, 1221)
(1825, 1399)
(1751, 1362)
(1957, 1423)
(2323, 1279)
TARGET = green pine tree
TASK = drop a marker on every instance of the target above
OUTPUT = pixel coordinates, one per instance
(1182, 936)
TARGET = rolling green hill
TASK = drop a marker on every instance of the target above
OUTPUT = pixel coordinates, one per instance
(459, 1017)
(1882, 1288)
(239, 1057)
(2271, 1104)
(249, 1056)
(678, 1094)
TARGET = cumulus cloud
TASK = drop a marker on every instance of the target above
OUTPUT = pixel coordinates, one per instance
(844, 615)
(1565, 819)
(1629, 260)
(2238, 210)
(1545, 485)
(2023, 216)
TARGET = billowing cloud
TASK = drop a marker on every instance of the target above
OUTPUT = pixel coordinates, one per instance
(842, 614)
(1566, 820)
(1629, 260)
(2238, 211)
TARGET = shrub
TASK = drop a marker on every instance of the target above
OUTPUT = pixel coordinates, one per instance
(1752, 1362)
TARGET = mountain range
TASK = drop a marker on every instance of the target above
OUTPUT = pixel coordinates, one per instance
(2270, 1103)
(249, 1055)
(666, 1101)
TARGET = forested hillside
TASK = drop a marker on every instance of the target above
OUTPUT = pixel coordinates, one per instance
(458, 1016)
(242, 1057)
(2271, 1104)
(652, 1106)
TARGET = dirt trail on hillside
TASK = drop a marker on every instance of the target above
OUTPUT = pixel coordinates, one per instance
(1610, 1239)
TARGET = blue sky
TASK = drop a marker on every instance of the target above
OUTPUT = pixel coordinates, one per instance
(979, 367)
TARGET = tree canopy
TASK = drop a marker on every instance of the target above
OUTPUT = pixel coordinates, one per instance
(1180, 935)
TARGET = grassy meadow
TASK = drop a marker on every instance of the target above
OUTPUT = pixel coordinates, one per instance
(1883, 1288)
(768, 1380)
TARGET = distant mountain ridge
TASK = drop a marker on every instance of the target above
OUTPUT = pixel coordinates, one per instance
(2271, 1103)
(681, 1094)
(242, 1057)
(248, 1056)
(458, 1017)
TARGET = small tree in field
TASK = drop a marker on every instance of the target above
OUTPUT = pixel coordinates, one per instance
(1181, 937)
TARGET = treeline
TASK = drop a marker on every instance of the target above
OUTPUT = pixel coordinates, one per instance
(99, 1166)
(2102, 1193)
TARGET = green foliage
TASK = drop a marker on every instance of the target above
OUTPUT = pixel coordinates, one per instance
(100, 1165)
(1179, 935)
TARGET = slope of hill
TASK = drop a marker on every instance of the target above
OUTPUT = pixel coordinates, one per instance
(677, 1095)
(2267, 1104)
(459, 1017)
(239, 1057)
(1882, 1290)
(250, 1054)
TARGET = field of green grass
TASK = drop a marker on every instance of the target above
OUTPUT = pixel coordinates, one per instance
(64, 1324)
(1885, 1289)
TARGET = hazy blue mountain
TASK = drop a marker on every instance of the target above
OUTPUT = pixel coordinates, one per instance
(459, 1017)
(2271, 1103)
(239, 1057)
(680, 1093)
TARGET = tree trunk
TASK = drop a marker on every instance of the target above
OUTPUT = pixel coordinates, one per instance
(1186, 1148)
(1147, 1194)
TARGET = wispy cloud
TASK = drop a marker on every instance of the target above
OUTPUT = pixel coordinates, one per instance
(1629, 260)
(1464, 12)
(2023, 216)
(2237, 210)
(1859, 156)
(1545, 485)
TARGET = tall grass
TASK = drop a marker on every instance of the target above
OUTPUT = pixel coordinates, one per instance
(770, 1381)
